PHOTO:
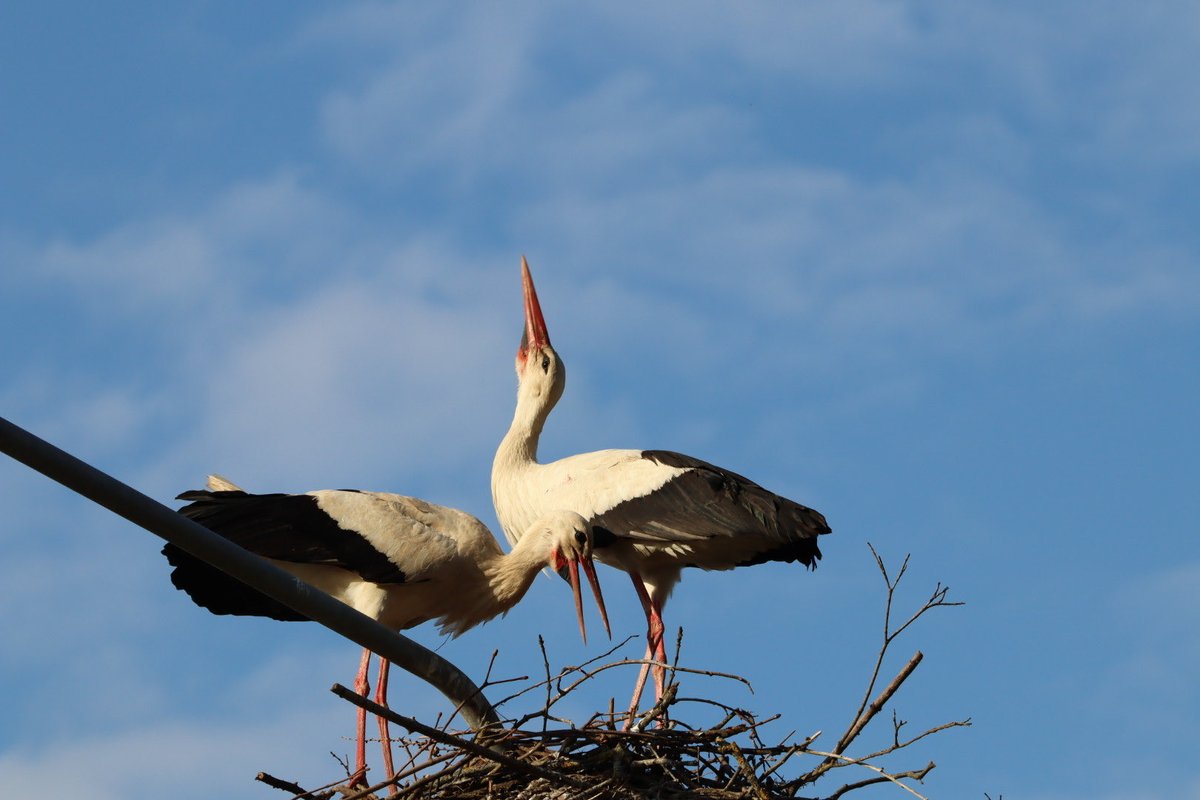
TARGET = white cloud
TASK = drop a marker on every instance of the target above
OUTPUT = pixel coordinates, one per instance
(201, 260)
(625, 171)
(477, 95)
(157, 260)
(180, 759)
(840, 45)
(440, 101)
(387, 377)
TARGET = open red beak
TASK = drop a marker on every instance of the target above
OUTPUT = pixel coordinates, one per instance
(572, 576)
(535, 334)
(589, 569)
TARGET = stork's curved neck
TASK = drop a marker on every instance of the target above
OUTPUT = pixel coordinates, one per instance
(510, 575)
(537, 393)
(541, 378)
(507, 577)
(519, 446)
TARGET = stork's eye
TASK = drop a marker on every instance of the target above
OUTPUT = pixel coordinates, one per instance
(580, 537)
(545, 363)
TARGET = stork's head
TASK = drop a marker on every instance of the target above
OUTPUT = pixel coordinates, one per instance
(571, 548)
(540, 372)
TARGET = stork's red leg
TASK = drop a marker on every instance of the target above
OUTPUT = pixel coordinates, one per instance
(639, 686)
(655, 649)
(385, 736)
(359, 778)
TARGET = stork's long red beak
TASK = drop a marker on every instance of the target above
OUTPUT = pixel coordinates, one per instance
(535, 334)
(589, 569)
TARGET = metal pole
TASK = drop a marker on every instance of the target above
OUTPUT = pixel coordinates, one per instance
(248, 568)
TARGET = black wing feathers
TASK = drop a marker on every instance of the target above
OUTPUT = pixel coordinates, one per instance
(707, 500)
(212, 589)
(278, 526)
(288, 527)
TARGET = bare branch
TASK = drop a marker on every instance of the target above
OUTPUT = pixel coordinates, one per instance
(668, 697)
(447, 738)
(744, 766)
(884, 775)
(917, 775)
(298, 792)
(878, 703)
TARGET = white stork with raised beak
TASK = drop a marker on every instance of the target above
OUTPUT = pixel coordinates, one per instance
(665, 511)
(399, 560)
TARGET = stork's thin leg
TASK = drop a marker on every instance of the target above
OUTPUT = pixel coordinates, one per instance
(640, 685)
(363, 687)
(385, 736)
(655, 649)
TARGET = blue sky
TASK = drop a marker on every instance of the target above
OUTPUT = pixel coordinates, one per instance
(930, 268)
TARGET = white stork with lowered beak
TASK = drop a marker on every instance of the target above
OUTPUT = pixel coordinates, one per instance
(666, 511)
(400, 560)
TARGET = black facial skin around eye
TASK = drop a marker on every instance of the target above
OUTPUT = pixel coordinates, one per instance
(579, 537)
(545, 363)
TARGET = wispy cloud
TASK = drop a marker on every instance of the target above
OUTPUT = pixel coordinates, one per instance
(179, 758)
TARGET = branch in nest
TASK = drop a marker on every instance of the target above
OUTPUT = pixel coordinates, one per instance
(565, 671)
(449, 738)
(879, 702)
(744, 766)
(659, 708)
(299, 792)
(883, 775)
(916, 775)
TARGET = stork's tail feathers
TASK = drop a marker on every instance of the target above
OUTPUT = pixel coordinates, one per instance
(801, 522)
(208, 586)
(212, 589)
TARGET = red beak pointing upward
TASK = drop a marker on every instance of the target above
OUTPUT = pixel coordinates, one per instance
(535, 334)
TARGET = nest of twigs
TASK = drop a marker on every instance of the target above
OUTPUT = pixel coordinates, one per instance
(655, 754)
(605, 759)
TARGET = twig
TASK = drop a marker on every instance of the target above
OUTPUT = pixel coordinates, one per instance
(878, 703)
(678, 650)
(299, 792)
(936, 599)
(549, 683)
(421, 783)
(745, 767)
(961, 723)
(917, 775)
(450, 739)
(565, 671)
(367, 791)
(399, 776)
(586, 675)
(791, 751)
(884, 775)
(668, 697)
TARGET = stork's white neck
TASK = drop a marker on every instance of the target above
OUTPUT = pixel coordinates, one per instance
(519, 445)
(516, 456)
(509, 575)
